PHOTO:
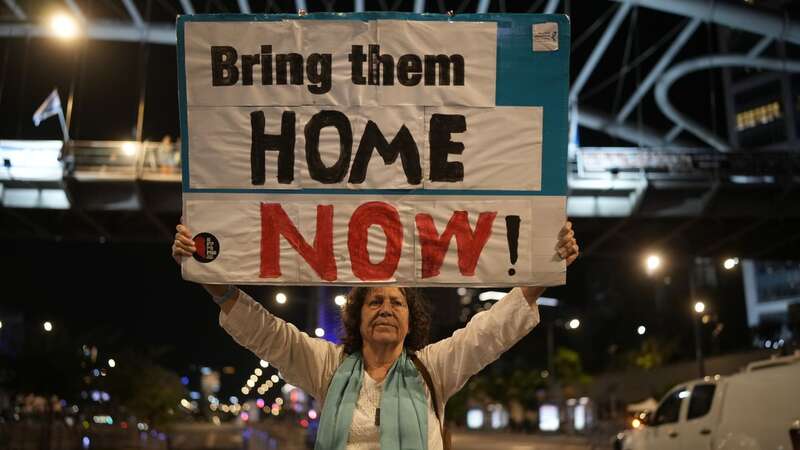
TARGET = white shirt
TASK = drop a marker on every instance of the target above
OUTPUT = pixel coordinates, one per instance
(309, 363)
(365, 435)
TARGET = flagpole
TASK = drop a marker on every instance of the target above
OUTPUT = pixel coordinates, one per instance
(64, 129)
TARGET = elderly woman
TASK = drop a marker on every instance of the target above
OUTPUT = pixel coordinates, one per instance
(385, 387)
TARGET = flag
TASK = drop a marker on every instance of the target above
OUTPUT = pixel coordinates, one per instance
(49, 107)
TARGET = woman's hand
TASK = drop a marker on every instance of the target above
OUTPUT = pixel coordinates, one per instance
(183, 245)
(567, 249)
(567, 245)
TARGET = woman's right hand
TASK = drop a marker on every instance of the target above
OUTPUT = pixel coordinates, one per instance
(183, 246)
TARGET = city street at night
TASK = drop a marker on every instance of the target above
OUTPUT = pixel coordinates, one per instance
(400, 224)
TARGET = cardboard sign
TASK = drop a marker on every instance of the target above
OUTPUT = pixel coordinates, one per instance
(374, 148)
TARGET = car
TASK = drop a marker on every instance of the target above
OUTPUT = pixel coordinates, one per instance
(756, 409)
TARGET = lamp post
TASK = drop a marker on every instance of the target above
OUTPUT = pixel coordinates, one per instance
(66, 28)
(654, 265)
(573, 324)
(551, 372)
(699, 309)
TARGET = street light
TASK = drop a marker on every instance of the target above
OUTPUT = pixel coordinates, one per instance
(48, 327)
(129, 148)
(730, 263)
(652, 263)
(699, 309)
(112, 363)
(573, 324)
(641, 330)
(340, 300)
(319, 332)
(63, 26)
(280, 297)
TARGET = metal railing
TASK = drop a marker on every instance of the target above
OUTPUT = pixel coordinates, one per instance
(123, 160)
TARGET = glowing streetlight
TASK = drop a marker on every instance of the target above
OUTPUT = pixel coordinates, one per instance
(47, 326)
(280, 297)
(319, 332)
(129, 148)
(730, 263)
(340, 300)
(1, 324)
(641, 330)
(63, 26)
(699, 309)
(112, 363)
(574, 324)
(652, 263)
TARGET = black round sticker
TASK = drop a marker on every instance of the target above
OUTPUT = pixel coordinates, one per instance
(207, 247)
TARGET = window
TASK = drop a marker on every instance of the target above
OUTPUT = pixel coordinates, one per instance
(760, 115)
(700, 403)
(670, 408)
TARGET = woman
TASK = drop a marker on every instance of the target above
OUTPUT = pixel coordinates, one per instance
(376, 388)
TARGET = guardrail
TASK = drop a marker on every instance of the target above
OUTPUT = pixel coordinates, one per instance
(124, 160)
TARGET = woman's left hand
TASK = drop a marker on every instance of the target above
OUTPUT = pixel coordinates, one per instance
(567, 249)
(567, 245)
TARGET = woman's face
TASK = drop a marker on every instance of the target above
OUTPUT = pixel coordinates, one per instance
(384, 317)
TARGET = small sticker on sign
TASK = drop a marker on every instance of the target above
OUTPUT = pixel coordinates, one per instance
(207, 247)
(545, 37)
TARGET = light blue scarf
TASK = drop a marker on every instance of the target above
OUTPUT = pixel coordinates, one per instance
(404, 408)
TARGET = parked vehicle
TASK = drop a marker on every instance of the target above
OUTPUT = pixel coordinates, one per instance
(756, 409)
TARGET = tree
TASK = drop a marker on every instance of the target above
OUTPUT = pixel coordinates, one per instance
(146, 389)
(654, 352)
(569, 369)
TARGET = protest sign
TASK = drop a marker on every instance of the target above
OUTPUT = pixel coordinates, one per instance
(374, 148)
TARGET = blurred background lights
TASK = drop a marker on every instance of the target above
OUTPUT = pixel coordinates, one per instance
(699, 307)
(730, 263)
(129, 148)
(652, 263)
(63, 26)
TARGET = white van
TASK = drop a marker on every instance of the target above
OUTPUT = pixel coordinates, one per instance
(756, 409)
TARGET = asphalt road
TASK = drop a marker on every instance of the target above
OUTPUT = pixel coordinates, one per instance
(288, 437)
